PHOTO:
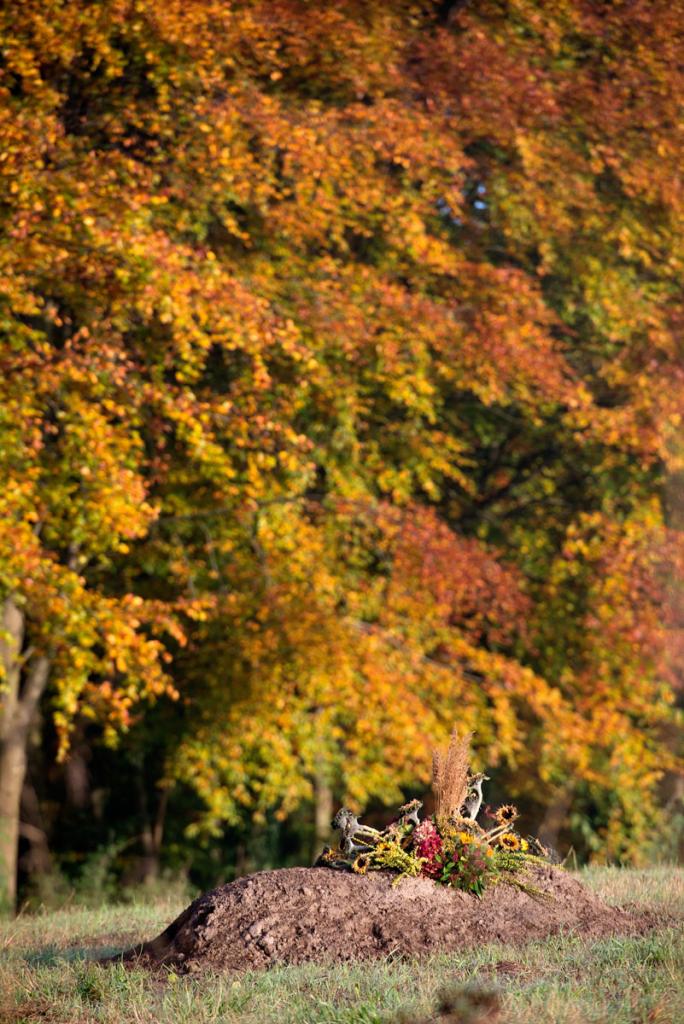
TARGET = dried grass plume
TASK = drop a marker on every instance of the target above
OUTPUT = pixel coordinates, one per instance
(450, 776)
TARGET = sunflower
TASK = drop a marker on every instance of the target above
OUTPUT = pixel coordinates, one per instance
(506, 815)
(361, 864)
(509, 841)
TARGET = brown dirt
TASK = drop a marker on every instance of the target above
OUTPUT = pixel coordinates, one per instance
(297, 915)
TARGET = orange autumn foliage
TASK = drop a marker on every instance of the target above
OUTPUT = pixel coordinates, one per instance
(341, 373)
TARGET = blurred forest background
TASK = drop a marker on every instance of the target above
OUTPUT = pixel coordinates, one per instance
(341, 402)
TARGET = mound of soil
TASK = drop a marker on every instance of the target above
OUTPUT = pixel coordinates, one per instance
(316, 914)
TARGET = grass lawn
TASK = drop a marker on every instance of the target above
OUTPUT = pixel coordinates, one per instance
(45, 974)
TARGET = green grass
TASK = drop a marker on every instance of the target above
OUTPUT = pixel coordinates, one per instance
(45, 974)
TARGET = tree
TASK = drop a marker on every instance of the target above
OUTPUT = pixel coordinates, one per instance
(298, 305)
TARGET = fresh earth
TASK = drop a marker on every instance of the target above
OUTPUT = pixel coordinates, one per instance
(300, 915)
(47, 973)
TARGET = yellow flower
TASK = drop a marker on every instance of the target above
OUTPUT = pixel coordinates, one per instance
(465, 838)
(509, 841)
(524, 845)
(360, 865)
(490, 852)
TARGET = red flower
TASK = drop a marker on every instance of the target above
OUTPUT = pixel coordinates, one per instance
(428, 844)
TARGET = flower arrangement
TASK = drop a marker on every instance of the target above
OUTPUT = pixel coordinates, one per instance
(450, 847)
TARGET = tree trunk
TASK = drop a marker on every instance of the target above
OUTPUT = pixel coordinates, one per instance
(12, 771)
(323, 812)
(152, 836)
(37, 862)
(241, 859)
(76, 774)
(25, 679)
(322, 789)
(555, 817)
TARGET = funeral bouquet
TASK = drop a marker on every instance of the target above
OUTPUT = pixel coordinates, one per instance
(450, 846)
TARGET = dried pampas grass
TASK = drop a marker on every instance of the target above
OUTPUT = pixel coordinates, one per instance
(450, 776)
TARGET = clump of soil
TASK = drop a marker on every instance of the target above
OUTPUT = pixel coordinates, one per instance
(296, 915)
